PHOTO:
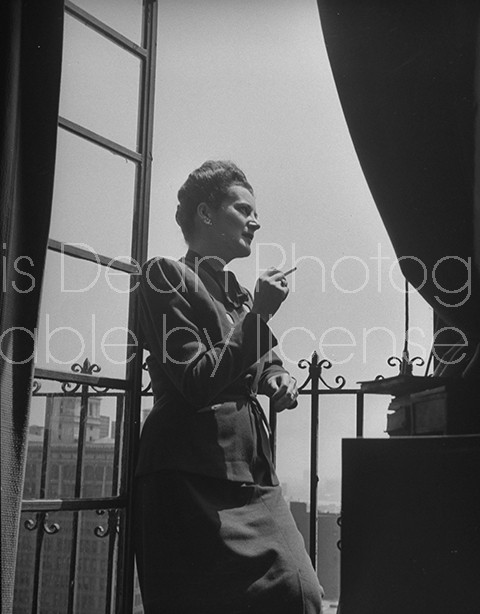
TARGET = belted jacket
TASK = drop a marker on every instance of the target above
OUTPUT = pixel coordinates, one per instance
(208, 357)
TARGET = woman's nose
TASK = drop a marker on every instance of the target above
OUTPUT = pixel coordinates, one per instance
(253, 224)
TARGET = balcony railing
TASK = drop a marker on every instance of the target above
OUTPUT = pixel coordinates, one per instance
(318, 387)
(63, 498)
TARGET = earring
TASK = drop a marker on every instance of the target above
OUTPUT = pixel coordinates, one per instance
(207, 221)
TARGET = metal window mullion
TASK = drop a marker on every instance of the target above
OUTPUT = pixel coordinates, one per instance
(46, 444)
(112, 537)
(73, 395)
(110, 566)
(41, 516)
(102, 28)
(77, 491)
(73, 564)
(81, 378)
(70, 505)
(72, 250)
(98, 139)
(114, 489)
(139, 254)
(82, 427)
(119, 420)
(37, 569)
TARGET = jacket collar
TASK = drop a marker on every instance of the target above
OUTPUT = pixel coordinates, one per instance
(235, 296)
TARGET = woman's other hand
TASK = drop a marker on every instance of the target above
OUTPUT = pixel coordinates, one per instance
(271, 290)
(283, 392)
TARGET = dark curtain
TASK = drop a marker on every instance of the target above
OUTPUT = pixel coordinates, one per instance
(31, 38)
(406, 74)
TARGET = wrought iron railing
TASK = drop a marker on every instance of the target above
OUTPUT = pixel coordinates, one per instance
(72, 452)
(315, 380)
(83, 385)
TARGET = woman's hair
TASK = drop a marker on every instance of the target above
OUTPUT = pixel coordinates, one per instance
(207, 184)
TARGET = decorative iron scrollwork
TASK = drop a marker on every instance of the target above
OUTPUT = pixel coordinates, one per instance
(32, 523)
(36, 386)
(112, 523)
(303, 364)
(315, 368)
(405, 363)
(52, 528)
(41, 519)
(87, 368)
(148, 387)
(339, 524)
(69, 387)
(100, 390)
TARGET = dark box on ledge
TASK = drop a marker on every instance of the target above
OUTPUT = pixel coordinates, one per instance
(451, 409)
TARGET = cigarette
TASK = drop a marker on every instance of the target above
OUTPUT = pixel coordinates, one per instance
(290, 271)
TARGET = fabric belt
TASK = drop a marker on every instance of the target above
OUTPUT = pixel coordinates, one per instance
(258, 409)
(262, 428)
(251, 397)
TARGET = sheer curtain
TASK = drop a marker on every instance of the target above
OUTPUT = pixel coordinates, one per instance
(31, 38)
(407, 78)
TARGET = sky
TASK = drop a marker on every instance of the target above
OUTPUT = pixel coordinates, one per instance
(249, 81)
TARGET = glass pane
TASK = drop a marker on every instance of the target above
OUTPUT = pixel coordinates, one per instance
(93, 197)
(83, 316)
(25, 569)
(125, 16)
(48, 551)
(52, 450)
(96, 560)
(101, 459)
(56, 560)
(100, 84)
(44, 549)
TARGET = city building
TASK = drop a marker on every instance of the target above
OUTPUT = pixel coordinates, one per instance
(45, 556)
(328, 554)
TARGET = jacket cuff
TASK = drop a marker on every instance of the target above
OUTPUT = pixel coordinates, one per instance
(255, 327)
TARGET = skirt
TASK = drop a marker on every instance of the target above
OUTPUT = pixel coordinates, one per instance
(211, 546)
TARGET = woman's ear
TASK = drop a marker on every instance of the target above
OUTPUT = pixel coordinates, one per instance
(203, 211)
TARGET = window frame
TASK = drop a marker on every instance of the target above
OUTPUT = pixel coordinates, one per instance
(84, 382)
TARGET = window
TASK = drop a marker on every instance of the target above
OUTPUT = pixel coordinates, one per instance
(88, 367)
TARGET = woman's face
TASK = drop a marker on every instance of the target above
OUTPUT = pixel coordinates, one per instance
(234, 224)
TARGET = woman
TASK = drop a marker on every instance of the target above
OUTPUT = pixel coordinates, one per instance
(213, 533)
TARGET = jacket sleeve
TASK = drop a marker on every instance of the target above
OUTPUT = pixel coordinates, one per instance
(272, 366)
(173, 313)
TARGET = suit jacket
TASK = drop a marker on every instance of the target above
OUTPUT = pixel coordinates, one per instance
(206, 353)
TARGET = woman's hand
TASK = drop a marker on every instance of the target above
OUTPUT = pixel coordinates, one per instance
(271, 290)
(283, 392)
